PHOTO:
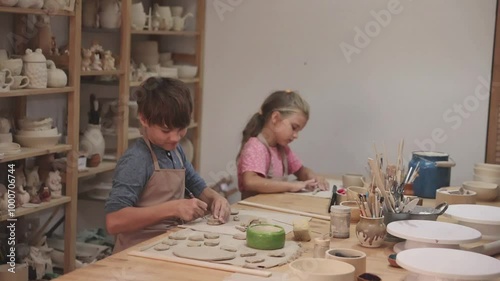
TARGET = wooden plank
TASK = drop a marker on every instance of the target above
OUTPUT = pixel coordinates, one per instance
(27, 152)
(23, 211)
(73, 129)
(105, 166)
(101, 72)
(34, 92)
(18, 10)
(165, 33)
(185, 80)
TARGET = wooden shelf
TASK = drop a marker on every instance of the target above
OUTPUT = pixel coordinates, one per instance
(185, 80)
(168, 33)
(101, 30)
(17, 10)
(22, 211)
(105, 166)
(101, 73)
(34, 92)
(27, 152)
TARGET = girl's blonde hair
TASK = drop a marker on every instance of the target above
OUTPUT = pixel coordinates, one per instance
(285, 102)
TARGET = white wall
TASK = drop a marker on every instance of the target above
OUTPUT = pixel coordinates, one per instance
(423, 63)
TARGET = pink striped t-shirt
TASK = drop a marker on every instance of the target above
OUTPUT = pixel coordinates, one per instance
(254, 157)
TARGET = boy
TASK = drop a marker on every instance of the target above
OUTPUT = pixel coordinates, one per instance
(152, 178)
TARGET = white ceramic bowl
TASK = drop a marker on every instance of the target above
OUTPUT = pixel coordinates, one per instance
(446, 194)
(486, 179)
(28, 124)
(39, 133)
(487, 166)
(37, 142)
(317, 269)
(487, 172)
(485, 191)
(187, 71)
(10, 148)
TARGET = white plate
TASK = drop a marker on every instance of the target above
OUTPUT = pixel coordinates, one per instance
(474, 213)
(434, 232)
(449, 263)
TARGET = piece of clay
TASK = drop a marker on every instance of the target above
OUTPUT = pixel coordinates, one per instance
(240, 236)
(169, 242)
(254, 259)
(234, 212)
(236, 218)
(213, 221)
(196, 237)
(240, 228)
(193, 244)
(228, 248)
(203, 253)
(276, 254)
(248, 254)
(162, 247)
(211, 242)
(177, 236)
(210, 235)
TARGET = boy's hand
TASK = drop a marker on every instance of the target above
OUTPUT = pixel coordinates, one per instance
(308, 185)
(191, 209)
(220, 209)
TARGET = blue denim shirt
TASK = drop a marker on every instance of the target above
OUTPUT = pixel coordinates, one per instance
(134, 169)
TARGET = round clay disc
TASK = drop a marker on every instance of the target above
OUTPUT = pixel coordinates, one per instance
(203, 253)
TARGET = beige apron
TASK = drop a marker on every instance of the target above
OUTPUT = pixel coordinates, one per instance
(164, 185)
(245, 193)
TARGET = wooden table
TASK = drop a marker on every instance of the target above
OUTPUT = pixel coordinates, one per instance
(122, 267)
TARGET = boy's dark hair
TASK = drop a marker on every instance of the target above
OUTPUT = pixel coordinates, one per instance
(165, 102)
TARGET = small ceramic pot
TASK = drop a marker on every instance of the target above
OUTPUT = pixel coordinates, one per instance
(35, 67)
(371, 231)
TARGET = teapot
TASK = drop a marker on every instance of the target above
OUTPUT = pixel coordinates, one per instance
(164, 15)
(56, 78)
(180, 21)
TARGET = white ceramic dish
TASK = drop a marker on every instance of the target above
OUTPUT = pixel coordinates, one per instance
(487, 172)
(449, 263)
(29, 124)
(37, 142)
(487, 166)
(10, 148)
(186, 71)
(6, 138)
(432, 234)
(38, 133)
(485, 219)
(486, 179)
(485, 191)
(319, 269)
(447, 194)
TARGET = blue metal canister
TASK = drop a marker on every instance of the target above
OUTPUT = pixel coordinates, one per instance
(434, 172)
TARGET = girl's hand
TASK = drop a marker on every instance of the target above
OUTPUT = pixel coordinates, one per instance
(322, 183)
(308, 185)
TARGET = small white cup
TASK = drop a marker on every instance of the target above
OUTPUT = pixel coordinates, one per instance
(20, 82)
(353, 257)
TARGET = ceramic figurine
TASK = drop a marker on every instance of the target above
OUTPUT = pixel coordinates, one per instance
(43, 37)
(53, 47)
(56, 78)
(4, 125)
(108, 61)
(32, 178)
(92, 141)
(86, 60)
(96, 48)
(96, 63)
(44, 194)
(54, 184)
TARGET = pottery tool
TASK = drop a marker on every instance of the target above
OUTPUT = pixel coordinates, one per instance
(317, 216)
(449, 264)
(189, 193)
(431, 234)
(333, 199)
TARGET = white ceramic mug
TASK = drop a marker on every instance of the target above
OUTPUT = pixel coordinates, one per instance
(14, 65)
(176, 11)
(353, 257)
(20, 82)
(3, 55)
(6, 80)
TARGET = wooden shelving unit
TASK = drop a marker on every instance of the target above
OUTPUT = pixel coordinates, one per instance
(35, 92)
(69, 200)
(104, 166)
(23, 211)
(195, 59)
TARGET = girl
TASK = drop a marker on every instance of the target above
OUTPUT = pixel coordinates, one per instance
(265, 160)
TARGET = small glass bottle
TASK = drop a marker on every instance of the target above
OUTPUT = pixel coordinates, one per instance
(321, 245)
(340, 221)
